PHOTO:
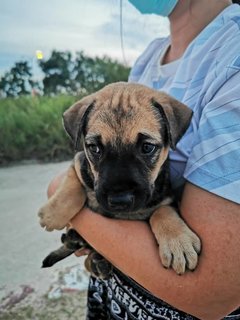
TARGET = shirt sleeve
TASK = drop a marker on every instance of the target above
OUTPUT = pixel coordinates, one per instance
(143, 60)
(214, 162)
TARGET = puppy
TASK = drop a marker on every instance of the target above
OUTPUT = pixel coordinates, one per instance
(126, 131)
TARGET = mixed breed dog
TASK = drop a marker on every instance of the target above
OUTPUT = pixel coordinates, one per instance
(124, 132)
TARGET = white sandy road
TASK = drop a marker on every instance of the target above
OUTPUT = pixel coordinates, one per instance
(23, 243)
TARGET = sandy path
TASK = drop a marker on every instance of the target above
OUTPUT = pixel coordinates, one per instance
(23, 243)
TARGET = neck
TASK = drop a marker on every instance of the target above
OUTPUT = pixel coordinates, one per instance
(187, 20)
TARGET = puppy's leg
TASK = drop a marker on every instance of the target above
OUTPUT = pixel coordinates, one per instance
(68, 199)
(72, 241)
(98, 266)
(178, 245)
(55, 256)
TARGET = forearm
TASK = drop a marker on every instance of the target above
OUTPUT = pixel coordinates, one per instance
(211, 291)
(131, 247)
(208, 293)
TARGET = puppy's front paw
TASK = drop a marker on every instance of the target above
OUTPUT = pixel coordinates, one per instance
(98, 266)
(48, 220)
(180, 251)
(179, 246)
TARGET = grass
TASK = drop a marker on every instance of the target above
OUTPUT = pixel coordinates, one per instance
(31, 128)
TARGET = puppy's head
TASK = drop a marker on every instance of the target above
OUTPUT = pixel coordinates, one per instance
(126, 130)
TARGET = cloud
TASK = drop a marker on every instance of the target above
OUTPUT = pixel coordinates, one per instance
(92, 26)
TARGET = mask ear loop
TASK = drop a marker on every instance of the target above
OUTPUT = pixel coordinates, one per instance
(121, 33)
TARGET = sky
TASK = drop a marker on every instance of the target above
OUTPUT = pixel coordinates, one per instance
(89, 25)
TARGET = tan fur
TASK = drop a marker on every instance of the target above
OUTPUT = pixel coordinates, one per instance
(68, 199)
(139, 117)
(134, 117)
(163, 156)
(178, 245)
(125, 110)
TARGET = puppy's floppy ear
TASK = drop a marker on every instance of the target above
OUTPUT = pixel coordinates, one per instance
(75, 119)
(176, 116)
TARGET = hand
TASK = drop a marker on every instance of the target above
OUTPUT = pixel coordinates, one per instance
(82, 252)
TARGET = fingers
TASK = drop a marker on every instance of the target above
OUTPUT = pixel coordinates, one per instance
(82, 252)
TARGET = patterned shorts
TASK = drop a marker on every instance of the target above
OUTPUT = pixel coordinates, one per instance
(122, 298)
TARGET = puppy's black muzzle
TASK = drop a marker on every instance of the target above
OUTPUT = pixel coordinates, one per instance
(122, 185)
(121, 201)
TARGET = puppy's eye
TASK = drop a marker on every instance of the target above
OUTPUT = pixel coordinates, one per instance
(148, 148)
(94, 149)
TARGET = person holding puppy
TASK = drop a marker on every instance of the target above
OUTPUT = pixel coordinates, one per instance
(199, 64)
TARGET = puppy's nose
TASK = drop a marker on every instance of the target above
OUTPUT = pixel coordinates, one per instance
(121, 201)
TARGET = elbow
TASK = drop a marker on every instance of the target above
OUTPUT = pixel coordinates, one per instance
(213, 316)
(214, 309)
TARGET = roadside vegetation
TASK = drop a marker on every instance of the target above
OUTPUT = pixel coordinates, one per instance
(31, 128)
(31, 111)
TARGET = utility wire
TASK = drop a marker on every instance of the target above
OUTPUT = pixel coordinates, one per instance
(121, 33)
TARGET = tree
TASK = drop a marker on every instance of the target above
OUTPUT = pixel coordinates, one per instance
(79, 75)
(58, 70)
(92, 74)
(63, 74)
(18, 81)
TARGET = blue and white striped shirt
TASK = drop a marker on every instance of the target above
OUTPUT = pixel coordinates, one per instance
(206, 79)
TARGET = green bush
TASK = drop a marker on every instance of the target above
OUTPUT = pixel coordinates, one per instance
(31, 128)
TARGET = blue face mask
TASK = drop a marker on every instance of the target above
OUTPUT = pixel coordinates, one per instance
(160, 7)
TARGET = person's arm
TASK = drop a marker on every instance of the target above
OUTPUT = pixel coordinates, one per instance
(213, 289)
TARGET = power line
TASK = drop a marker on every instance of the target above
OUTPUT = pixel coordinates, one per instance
(121, 33)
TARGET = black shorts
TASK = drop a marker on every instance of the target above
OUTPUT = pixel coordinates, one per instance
(122, 298)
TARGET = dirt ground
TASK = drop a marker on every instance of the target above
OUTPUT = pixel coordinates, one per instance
(27, 291)
(64, 299)
(71, 305)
